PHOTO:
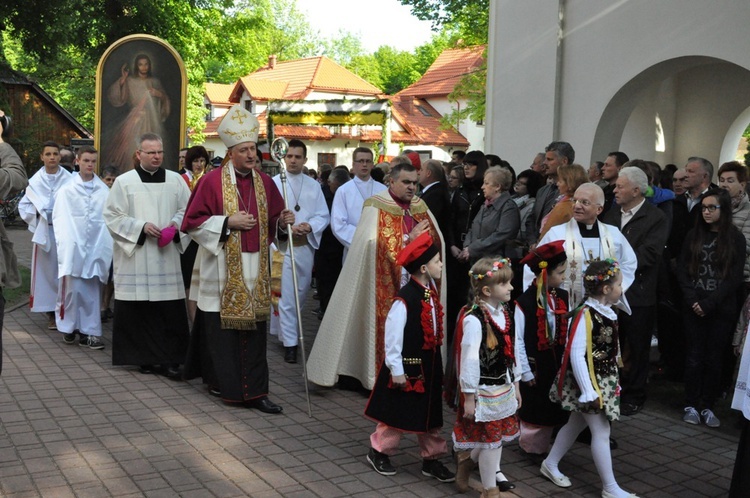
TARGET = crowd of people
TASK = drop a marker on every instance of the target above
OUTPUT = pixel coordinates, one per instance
(527, 303)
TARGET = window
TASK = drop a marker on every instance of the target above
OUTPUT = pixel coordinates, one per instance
(249, 105)
(327, 158)
(424, 111)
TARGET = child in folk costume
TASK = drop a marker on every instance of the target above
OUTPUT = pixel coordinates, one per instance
(487, 370)
(541, 324)
(588, 383)
(407, 392)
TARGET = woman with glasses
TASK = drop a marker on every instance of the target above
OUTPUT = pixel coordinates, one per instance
(569, 178)
(710, 273)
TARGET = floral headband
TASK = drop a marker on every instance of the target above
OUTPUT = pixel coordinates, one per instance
(496, 266)
(607, 274)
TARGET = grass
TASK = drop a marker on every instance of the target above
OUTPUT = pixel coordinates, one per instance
(19, 295)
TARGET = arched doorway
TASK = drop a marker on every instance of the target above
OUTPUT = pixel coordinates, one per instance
(687, 106)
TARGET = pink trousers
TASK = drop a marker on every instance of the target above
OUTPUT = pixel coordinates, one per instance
(385, 439)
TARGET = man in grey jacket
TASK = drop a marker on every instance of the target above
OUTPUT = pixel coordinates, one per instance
(12, 179)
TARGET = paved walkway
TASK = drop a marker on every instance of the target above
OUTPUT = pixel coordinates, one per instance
(71, 424)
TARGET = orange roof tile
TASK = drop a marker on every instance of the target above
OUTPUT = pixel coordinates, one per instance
(218, 93)
(263, 89)
(315, 73)
(447, 70)
(286, 131)
(420, 128)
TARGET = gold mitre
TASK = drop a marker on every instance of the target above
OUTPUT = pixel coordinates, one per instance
(237, 126)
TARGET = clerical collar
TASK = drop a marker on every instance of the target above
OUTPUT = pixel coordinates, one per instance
(588, 231)
(405, 205)
(243, 175)
(152, 173)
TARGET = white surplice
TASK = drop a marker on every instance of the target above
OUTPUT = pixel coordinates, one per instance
(84, 254)
(146, 272)
(302, 191)
(347, 208)
(35, 209)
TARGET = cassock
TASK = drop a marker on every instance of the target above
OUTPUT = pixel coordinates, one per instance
(305, 193)
(84, 254)
(36, 210)
(347, 208)
(351, 337)
(230, 358)
(150, 322)
(584, 244)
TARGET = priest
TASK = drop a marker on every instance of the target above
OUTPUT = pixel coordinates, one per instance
(234, 214)
(351, 338)
(143, 213)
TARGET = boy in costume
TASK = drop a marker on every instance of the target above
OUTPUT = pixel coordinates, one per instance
(407, 392)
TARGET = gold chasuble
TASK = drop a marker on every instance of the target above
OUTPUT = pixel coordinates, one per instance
(351, 337)
(241, 308)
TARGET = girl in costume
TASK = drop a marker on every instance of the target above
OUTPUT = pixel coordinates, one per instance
(588, 383)
(541, 323)
(487, 370)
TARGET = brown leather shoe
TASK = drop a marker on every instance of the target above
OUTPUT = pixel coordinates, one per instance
(491, 493)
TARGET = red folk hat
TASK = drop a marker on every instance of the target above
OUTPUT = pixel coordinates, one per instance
(417, 253)
(550, 254)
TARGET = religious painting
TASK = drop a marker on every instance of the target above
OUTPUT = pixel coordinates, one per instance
(141, 88)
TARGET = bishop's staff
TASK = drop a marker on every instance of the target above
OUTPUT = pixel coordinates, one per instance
(279, 148)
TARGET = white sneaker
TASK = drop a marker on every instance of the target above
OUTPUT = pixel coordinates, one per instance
(691, 416)
(710, 419)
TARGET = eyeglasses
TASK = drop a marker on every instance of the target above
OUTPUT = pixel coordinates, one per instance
(152, 152)
(363, 161)
(709, 207)
(585, 202)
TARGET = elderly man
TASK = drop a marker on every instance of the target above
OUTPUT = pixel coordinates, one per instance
(234, 214)
(143, 212)
(349, 199)
(646, 228)
(351, 337)
(586, 239)
(12, 180)
(556, 154)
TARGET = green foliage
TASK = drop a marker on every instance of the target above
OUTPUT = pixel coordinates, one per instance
(470, 89)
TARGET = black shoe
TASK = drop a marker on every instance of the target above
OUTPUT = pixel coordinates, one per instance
(504, 486)
(70, 338)
(146, 369)
(630, 409)
(435, 468)
(214, 391)
(290, 354)
(173, 372)
(92, 342)
(381, 463)
(265, 405)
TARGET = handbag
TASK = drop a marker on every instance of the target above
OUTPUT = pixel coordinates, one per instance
(495, 402)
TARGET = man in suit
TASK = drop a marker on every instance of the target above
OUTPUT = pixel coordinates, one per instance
(556, 154)
(610, 171)
(435, 192)
(646, 229)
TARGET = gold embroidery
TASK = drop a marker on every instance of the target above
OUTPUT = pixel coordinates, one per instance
(241, 308)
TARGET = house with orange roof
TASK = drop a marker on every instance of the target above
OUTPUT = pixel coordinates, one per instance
(320, 93)
(421, 105)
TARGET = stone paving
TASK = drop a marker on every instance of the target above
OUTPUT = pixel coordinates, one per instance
(71, 424)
